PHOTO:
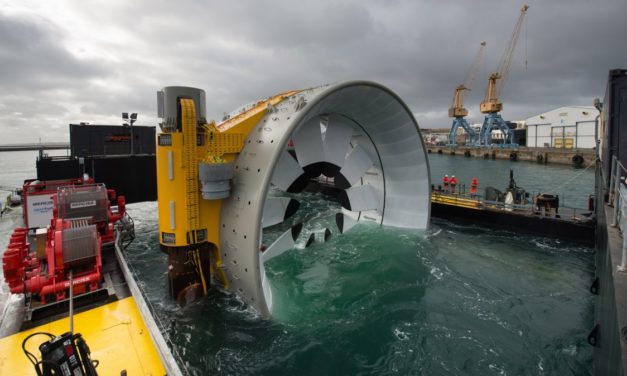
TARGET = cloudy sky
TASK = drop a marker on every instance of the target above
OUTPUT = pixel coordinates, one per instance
(72, 61)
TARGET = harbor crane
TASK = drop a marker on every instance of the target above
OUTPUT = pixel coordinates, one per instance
(492, 105)
(457, 110)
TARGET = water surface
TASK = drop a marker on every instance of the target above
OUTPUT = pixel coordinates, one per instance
(455, 300)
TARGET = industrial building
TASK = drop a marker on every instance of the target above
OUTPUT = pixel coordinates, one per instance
(563, 128)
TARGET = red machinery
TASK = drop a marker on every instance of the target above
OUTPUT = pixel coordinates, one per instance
(82, 222)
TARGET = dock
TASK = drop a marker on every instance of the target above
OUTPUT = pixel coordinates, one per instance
(575, 157)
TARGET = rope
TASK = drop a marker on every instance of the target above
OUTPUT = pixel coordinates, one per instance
(557, 188)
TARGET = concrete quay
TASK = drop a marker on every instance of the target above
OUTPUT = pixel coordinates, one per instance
(575, 157)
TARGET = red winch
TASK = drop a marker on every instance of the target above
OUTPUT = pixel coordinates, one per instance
(82, 222)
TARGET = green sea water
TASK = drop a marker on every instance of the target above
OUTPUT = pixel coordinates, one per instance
(456, 300)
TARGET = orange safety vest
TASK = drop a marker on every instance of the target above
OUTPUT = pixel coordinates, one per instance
(445, 181)
(453, 181)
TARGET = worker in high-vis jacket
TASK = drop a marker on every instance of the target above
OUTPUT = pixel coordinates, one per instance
(453, 183)
(445, 183)
(474, 183)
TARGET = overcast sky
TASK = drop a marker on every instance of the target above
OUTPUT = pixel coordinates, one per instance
(64, 62)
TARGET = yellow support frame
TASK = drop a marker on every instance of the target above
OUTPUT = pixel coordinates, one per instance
(183, 214)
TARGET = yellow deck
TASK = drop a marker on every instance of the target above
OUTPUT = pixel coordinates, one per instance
(115, 334)
(448, 199)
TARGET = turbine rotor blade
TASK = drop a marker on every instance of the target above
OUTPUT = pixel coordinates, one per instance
(278, 209)
(312, 238)
(359, 198)
(308, 143)
(355, 166)
(285, 242)
(327, 234)
(286, 172)
(344, 222)
(337, 140)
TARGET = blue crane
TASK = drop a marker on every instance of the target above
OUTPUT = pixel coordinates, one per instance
(457, 110)
(492, 105)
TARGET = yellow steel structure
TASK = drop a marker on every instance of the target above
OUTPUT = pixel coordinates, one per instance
(246, 120)
(188, 119)
(224, 141)
(457, 107)
(115, 334)
(187, 222)
(491, 102)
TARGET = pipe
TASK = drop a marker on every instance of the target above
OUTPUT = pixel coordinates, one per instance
(40, 284)
(71, 301)
(82, 280)
(31, 285)
(596, 135)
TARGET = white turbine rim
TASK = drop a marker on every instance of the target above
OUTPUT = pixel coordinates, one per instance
(395, 136)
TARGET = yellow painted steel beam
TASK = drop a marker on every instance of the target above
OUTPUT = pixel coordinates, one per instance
(226, 139)
(171, 180)
(245, 121)
(188, 122)
(115, 333)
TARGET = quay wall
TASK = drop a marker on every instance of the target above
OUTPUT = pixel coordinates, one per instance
(580, 157)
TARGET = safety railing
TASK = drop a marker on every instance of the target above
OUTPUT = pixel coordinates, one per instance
(618, 200)
(463, 199)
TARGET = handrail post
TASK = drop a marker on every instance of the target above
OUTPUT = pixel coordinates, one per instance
(623, 262)
(617, 200)
(612, 179)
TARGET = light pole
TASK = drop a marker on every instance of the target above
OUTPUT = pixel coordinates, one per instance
(132, 119)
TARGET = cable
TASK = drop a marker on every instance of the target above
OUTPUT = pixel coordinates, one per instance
(555, 189)
(31, 357)
(526, 28)
(202, 277)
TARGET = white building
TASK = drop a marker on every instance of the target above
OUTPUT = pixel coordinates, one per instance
(565, 127)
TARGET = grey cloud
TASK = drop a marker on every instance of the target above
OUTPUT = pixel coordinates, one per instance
(243, 51)
(33, 57)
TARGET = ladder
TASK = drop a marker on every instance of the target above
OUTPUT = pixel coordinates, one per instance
(188, 122)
